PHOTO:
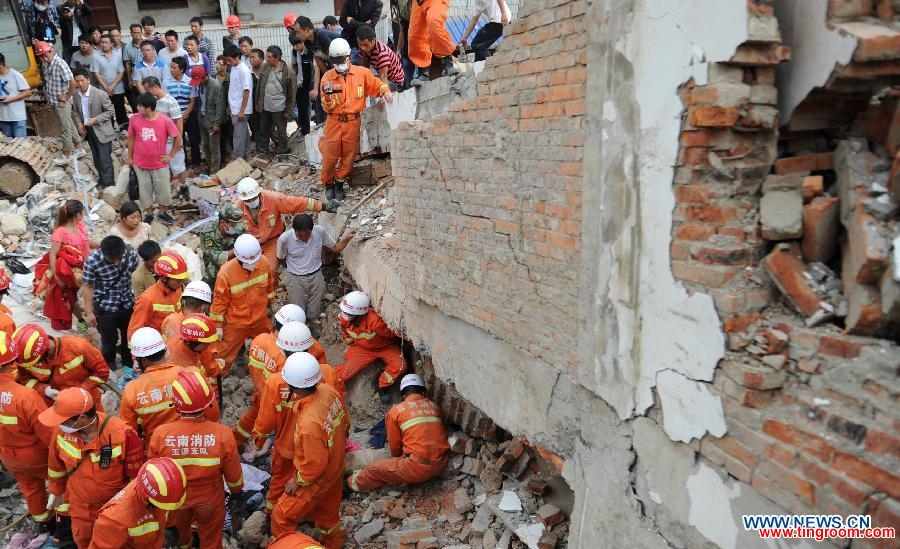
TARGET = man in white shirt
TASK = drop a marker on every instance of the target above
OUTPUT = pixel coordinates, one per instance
(301, 250)
(172, 50)
(110, 74)
(239, 105)
(13, 91)
(498, 16)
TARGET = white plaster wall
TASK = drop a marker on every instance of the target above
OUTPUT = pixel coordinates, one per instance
(262, 13)
(165, 18)
(315, 10)
(815, 51)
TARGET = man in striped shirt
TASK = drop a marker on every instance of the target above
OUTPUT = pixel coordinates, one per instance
(179, 87)
(380, 58)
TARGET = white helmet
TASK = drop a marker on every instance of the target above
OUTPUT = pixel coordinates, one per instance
(410, 380)
(301, 371)
(198, 290)
(355, 303)
(248, 188)
(146, 341)
(339, 48)
(294, 337)
(247, 249)
(290, 313)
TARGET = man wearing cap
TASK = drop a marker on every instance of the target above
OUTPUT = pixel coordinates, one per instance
(212, 116)
(59, 88)
(92, 456)
(416, 437)
(217, 241)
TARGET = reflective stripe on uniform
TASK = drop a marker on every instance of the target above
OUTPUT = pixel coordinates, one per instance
(163, 308)
(31, 383)
(67, 447)
(36, 370)
(271, 296)
(146, 528)
(43, 517)
(388, 377)
(255, 280)
(116, 452)
(363, 335)
(64, 508)
(416, 421)
(352, 481)
(55, 474)
(300, 480)
(158, 407)
(96, 380)
(241, 431)
(199, 462)
(256, 363)
(236, 483)
(8, 420)
(72, 364)
(217, 318)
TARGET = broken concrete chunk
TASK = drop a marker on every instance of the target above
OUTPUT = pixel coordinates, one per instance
(820, 229)
(13, 224)
(234, 172)
(461, 500)
(869, 249)
(787, 272)
(890, 296)
(781, 208)
(882, 207)
(853, 164)
(369, 531)
(510, 502)
(530, 534)
(483, 519)
(549, 514)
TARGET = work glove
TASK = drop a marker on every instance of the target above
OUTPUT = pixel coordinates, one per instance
(51, 393)
(54, 501)
(220, 331)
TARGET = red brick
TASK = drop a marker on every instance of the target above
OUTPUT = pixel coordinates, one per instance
(813, 186)
(792, 436)
(846, 9)
(693, 156)
(714, 116)
(787, 273)
(699, 138)
(753, 376)
(820, 229)
(843, 489)
(740, 323)
(883, 443)
(693, 193)
(864, 316)
(803, 163)
(706, 275)
(867, 473)
(733, 447)
(838, 346)
(885, 513)
(877, 47)
(755, 55)
(788, 480)
(714, 214)
(869, 249)
(694, 232)
(781, 454)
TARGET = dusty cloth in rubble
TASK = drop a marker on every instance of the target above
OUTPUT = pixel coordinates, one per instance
(60, 293)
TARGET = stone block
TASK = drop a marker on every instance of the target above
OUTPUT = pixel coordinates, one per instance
(853, 166)
(820, 229)
(361, 175)
(890, 297)
(869, 248)
(864, 310)
(234, 172)
(210, 194)
(813, 186)
(787, 272)
(461, 501)
(781, 208)
(549, 514)
(368, 531)
(13, 224)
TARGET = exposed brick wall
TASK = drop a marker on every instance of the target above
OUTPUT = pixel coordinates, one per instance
(489, 195)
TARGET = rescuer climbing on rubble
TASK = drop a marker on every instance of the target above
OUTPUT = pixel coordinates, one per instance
(24, 440)
(417, 440)
(162, 298)
(196, 298)
(368, 339)
(265, 357)
(344, 90)
(136, 517)
(314, 490)
(194, 348)
(243, 295)
(206, 452)
(49, 364)
(92, 456)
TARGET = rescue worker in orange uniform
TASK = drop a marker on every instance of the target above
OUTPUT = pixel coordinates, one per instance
(147, 400)
(266, 356)
(368, 339)
(7, 324)
(50, 364)
(136, 517)
(314, 490)
(193, 349)
(276, 416)
(263, 210)
(92, 456)
(23, 439)
(206, 452)
(196, 298)
(243, 295)
(164, 297)
(416, 437)
(428, 37)
(294, 540)
(344, 90)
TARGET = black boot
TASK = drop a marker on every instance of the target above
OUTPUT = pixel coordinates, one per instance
(339, 190)
(329, 192)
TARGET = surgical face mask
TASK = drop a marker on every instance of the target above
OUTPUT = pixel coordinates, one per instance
(249, 265)
(40, 7)
(343, 68)
(252, 204)
(72, 430)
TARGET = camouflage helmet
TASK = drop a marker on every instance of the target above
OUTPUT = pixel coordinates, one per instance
(230, 212)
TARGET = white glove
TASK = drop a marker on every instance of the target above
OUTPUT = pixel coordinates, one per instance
(220, 331)
(54, 501)
(51, 393)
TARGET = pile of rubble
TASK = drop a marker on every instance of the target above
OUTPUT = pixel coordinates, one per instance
(838, 252)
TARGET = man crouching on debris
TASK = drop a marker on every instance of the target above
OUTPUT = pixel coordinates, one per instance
(416, 437)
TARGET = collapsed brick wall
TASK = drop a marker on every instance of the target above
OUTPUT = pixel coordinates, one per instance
(491, 191)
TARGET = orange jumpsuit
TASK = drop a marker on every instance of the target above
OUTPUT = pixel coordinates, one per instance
(268, 224)
(73, 363)
(74, 470)
(417, 439)
(7, 324)
(427, 34)
(343, 98)
(153, 306)
(207, 452)
(23, 443)
(171, 325)
(276, 415)
(129, 521)
(147, 400)
(368, 340)
(240, 303)
(294, 540)
(205, 362)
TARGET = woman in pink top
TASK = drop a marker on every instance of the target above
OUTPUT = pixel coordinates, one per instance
(71, 230)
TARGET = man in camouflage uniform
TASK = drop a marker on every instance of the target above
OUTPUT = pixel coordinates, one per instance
(217, 242)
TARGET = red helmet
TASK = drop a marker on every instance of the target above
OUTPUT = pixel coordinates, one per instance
(161, 480)
(191, 393)
(4, 280)
(41, 47)
(7, 349)
(198, 327)
(171, 265)
(31, 343)
(289, 20)
(233, 22)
